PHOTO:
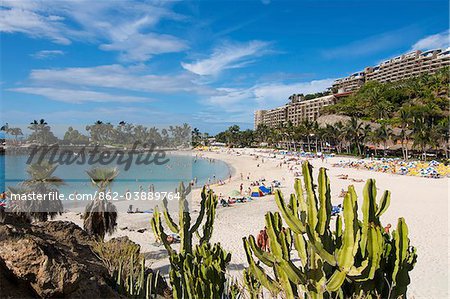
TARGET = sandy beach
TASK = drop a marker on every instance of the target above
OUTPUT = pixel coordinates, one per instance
(422, 201)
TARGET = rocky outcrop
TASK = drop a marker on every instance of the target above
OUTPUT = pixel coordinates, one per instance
(52, 259)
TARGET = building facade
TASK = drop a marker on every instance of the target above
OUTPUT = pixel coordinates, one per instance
(259, 117)
(350, 83)
(296, 111)
(405, 66)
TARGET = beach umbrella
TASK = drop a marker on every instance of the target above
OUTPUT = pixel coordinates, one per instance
(434, 163)
(256, 192)
(234, 193)
(403, 170)
(264, 189)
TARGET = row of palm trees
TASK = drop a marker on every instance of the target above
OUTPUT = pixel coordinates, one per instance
(356, 136)
(127, 133)
(100, 216)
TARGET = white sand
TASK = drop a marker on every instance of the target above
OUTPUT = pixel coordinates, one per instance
(423, 202)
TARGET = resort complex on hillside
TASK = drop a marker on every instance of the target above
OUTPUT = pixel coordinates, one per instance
(401, 67)
(398, 68)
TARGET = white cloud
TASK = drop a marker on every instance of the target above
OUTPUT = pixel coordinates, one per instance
(33, 24)
(123, 26)
(117, 77)
(227, 57)
(240, 103)
(141, 47)
(76, 96)
(439, 40)
(44, 54)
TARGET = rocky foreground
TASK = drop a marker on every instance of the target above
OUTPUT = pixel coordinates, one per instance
(51, 260)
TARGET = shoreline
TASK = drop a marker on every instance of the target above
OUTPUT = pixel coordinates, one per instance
(423, 203)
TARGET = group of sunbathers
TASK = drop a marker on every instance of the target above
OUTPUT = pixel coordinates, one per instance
(231, 201)
(345, 177)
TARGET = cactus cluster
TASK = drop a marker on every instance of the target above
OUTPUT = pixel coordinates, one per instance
(195, 271)
(126, 266)
(358, 257)
(134, 281)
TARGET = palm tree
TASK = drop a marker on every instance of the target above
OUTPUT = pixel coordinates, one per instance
(353, 132)
(383, 134)
(100, 216)
(404, 132)
(375, 140)
(308, 130)
(339, 135)
(96, 131)
(16, 132)
(443, 136)
(262, 133)
(196, 136)
(40, 129)
(421, 135)
(42, 182)
(366, 132)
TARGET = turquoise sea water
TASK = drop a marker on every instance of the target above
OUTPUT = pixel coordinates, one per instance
(138, 178)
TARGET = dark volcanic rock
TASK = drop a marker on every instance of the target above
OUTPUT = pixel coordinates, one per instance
(51, 259)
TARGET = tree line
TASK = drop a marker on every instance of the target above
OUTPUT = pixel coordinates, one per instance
(104, 133)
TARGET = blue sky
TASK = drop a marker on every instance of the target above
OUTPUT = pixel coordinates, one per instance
(208, 63)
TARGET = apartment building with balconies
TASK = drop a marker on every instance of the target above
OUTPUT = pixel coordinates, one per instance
(299, 111)
(402, 67)
(296, 111)
(350, 83)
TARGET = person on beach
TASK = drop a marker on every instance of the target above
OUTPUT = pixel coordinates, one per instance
(223, 202)
(387, 228)
(170, 239)
(262, 240)
(241, 188)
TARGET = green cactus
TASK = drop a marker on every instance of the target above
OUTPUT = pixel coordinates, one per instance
(126, 266)
(356, 258)
(252, 285)
(196, 271)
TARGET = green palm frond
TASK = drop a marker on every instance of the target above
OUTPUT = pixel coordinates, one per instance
(102, 177)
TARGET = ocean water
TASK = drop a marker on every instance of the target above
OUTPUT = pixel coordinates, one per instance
(166, 177)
